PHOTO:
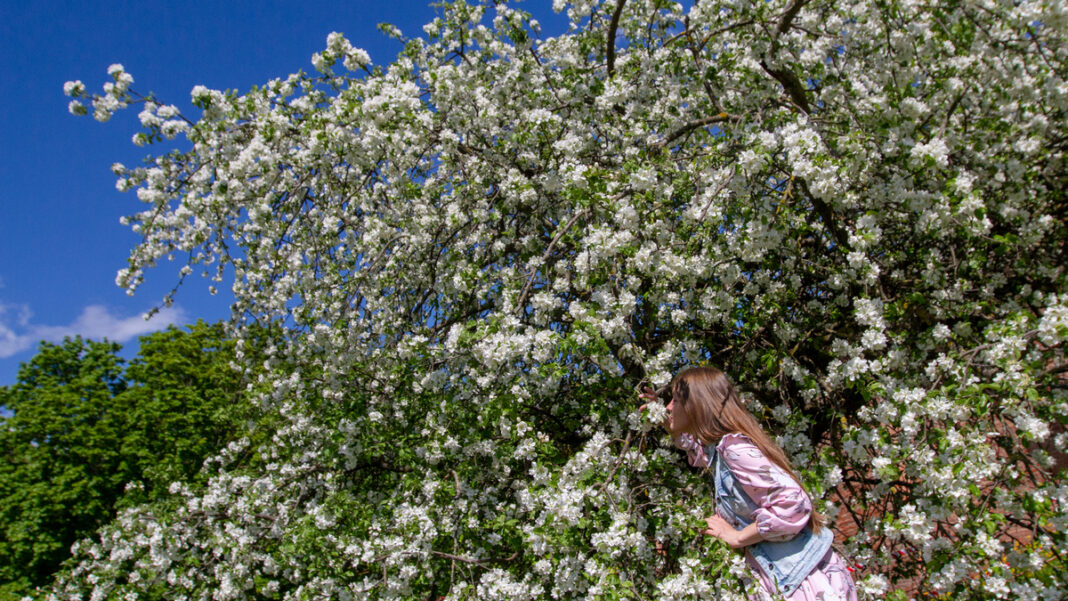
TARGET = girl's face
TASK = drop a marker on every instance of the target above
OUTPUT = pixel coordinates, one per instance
(678, 421)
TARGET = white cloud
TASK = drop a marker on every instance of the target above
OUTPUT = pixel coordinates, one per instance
(18, 334)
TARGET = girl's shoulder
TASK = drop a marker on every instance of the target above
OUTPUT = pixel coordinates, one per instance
(737, 447)
(734, 441)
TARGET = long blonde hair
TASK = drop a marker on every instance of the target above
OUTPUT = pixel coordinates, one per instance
(714, 410)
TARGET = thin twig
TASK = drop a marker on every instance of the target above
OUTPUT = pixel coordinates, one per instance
(544, 257)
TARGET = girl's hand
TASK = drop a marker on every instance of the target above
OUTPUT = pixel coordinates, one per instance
(719, 528)
(649, 396)
(737, 539)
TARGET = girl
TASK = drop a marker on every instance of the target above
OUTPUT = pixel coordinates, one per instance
(761, 505)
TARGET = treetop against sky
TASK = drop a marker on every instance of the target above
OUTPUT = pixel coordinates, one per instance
(63, 242)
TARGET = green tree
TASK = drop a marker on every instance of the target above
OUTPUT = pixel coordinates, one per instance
(87, 438)
(63, 474)
(183, 401)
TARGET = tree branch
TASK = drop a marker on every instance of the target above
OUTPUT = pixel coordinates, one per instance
(610, 37)
(789, 80)
(689, 127)
(787, 19)
(791, 83)
(827, 215)
(471, 560)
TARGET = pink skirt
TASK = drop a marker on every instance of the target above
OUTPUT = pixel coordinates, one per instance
(830, 581)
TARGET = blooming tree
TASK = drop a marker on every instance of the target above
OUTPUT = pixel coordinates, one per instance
(473, 254)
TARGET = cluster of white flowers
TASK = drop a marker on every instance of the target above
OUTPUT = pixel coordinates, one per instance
(116, 95)
(1053, 327)
(475, 253)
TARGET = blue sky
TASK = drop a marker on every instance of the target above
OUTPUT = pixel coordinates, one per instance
(62, 242)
